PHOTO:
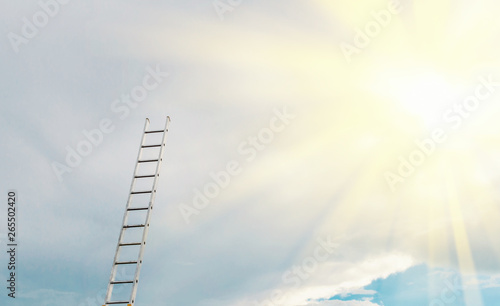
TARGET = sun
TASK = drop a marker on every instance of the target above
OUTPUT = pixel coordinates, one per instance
(421, 92)
(424, 94)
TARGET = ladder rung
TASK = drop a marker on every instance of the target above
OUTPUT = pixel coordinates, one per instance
(137, 208)
(125, 262)
(156, 131)
(117, 302)
(148, 160)
(143, 176)
(121, 282)
(132, 226)
(138, 192)
(151, 146)
(131, 243)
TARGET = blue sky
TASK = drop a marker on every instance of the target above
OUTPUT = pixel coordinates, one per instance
(320, 152)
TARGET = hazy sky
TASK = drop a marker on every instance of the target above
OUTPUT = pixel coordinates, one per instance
(320, 152)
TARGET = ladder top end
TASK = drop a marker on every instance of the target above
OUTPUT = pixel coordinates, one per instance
(168, 118)
(147, 119)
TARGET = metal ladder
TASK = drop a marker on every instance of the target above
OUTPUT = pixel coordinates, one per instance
(130, 210)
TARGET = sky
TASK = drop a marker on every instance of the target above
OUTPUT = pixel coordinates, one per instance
(319, 152)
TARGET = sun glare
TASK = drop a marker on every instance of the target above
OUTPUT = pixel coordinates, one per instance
(419, 92)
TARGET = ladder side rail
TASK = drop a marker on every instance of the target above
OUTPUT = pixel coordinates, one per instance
(125, 217)
(148, 215)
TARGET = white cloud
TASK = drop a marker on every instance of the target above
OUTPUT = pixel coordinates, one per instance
(331, 279)
(348, 277)
(49, 297)
(359, 292)
(489, 281)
